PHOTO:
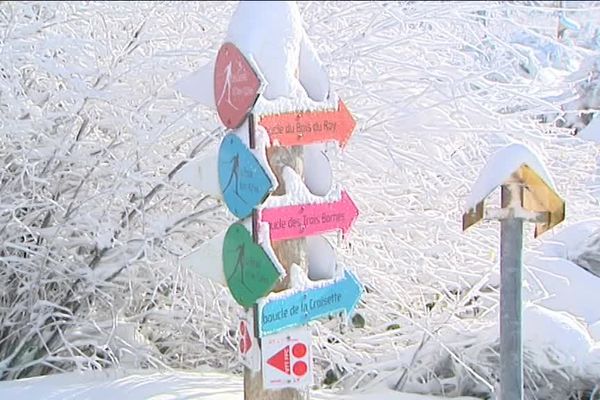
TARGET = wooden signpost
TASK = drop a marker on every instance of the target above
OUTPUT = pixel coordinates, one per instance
(274, 341)
(525, 196)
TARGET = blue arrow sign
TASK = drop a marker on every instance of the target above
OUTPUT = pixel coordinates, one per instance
(243, 181)
(300, 308)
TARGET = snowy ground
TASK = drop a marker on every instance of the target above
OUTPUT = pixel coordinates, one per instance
(148, 385)
(90, 111)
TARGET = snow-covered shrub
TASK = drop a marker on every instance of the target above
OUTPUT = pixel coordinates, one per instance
(585, 99)
(91, 223)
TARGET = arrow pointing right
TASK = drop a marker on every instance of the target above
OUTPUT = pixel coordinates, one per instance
(293, 222)
(299, 308)
(302, 128)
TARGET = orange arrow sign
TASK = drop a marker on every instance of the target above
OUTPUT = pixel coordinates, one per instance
(297, 129)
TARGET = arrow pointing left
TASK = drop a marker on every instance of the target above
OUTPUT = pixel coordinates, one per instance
(206, 260)
(202, 174)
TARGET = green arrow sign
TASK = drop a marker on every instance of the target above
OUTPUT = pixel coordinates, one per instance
(249, 271)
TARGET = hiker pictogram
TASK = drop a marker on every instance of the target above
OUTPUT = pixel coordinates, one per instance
(227, 88)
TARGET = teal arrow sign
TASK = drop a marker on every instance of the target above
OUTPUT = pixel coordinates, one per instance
(302, 307)
(243, 181)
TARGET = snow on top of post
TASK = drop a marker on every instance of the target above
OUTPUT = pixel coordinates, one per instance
(271, 37)
(270, 33)
(500, 167)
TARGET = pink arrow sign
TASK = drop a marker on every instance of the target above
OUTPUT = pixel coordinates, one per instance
(292, 222)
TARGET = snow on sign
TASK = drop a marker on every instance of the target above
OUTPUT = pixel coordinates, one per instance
(301, 128)
(201, 173)
(236, 86)
(299, 308)
(243, 181)
(249, 271)
(206, 260)
(287, 360)
(292, 222)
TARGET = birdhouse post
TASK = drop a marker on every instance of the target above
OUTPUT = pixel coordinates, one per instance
(525, 196)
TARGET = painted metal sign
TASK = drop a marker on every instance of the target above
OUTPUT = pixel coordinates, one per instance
(297, 129)
(236, 86)
(249, 350)
(249, 271)
(287, 360)
(292, 222)
(243, 181)
(299, 308)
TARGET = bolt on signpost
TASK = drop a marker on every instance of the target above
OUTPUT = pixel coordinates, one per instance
(525, 196)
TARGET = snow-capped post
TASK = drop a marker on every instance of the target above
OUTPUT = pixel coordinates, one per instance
(527, 194)
(273, 96)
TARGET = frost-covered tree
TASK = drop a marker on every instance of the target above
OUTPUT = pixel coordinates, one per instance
(91, 222)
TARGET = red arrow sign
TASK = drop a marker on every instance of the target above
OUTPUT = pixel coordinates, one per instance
(236, 86)
(281, 360)
(296, 129)
(292, 222)
(245, 340)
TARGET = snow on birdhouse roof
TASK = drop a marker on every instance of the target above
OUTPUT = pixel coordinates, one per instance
(500, 167)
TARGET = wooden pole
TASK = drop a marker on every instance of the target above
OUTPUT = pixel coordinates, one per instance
(288, 252)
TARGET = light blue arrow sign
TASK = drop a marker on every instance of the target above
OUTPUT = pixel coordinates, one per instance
(243, 181)
(302, 307)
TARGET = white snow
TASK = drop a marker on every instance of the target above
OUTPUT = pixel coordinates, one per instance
(202, 174)
(272, 38)
(557, 338)
(560, 317)
(321, 258)
(271, 34)
(592, 131)
(500, 166)
(152, 385)
(200, 85)
(318, 175)
(435, 89)
(298, 193)
(207, 259)
(556, 282)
